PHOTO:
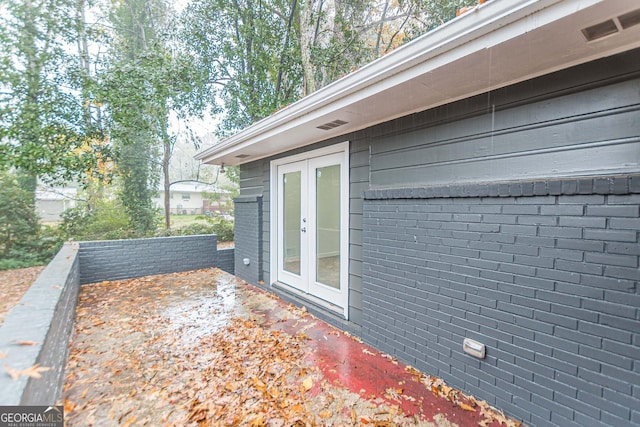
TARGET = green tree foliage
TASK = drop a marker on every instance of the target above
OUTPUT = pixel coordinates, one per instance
(42, 126)
(261, 55)
(104, 219)
(249, 52)
(347, 35)
(221, 227)
(131, 105)
(340, 39)
(64, 114)
(22, 242)
(17, 214)
(145, 78)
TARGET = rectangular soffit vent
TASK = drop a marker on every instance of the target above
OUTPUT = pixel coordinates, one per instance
(331, 125)
(612, 26)
(630, 19)
(600, 30)
(242, 156)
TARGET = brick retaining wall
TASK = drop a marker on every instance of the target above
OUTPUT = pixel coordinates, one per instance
(125, 259)
(46, 313)
(226, 260)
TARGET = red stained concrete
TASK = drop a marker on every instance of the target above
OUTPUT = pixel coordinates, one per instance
(142, 349)
(346, 362)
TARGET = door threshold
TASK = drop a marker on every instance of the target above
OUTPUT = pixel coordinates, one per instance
(302, 297)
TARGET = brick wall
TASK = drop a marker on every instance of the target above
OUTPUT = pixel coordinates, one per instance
(44, 315)
(46, 312)
(544, 273)
(125, 259)
(226, 260)
(248, 238)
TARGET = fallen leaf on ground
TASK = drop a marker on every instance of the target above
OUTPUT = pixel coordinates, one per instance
(390, 358)
(467, 407)
(393, 393)
(25, 342)
(130, 421)
(32, 372)
(13, 285)
(326, 414)
(172, 364)
(13, 373)
(307, 383)
(35, 371)
(492, 414)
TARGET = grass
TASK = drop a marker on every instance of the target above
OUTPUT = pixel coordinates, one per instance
(178, 221)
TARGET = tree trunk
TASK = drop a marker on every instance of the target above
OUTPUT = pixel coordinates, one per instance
(83, 55)
(381, 28)
(166, 160)
(281, 69)
(309, 84)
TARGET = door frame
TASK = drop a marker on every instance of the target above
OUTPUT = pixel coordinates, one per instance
(340, 148)
(296, 281)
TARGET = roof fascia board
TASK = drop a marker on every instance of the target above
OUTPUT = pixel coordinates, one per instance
(488, 26)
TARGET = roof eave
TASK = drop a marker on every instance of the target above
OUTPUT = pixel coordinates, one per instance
(488, 26)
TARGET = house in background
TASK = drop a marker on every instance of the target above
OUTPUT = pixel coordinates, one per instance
(478, 185)
(52, 202)
(194, 198)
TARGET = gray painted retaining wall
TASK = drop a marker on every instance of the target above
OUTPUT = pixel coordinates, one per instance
(226, 260)
(125, 259)
(544, 273)
(44, 315)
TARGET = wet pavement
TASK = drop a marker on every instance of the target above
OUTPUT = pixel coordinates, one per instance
(203, 348)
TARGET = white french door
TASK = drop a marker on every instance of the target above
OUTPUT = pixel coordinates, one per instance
(292, 225)
(310, 224)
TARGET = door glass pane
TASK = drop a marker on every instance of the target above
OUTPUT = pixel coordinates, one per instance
(291, 183)
(328, 226)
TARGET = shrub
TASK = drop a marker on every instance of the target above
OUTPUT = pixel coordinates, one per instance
(18, 219)
(104, 220)
(23, 243)
(223, 228)
(193, 229)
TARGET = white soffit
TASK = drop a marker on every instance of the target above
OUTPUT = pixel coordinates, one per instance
(500, 43)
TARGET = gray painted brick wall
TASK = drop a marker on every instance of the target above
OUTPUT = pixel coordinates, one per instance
(125, 259)
(226, 260)
(549, 283)
(46, 312)
(248, 238)
(45, 315)
(537, 269)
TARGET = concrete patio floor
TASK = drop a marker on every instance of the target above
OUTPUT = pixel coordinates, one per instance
(203, 348)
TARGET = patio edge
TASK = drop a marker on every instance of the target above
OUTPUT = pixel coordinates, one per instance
(44, 316)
